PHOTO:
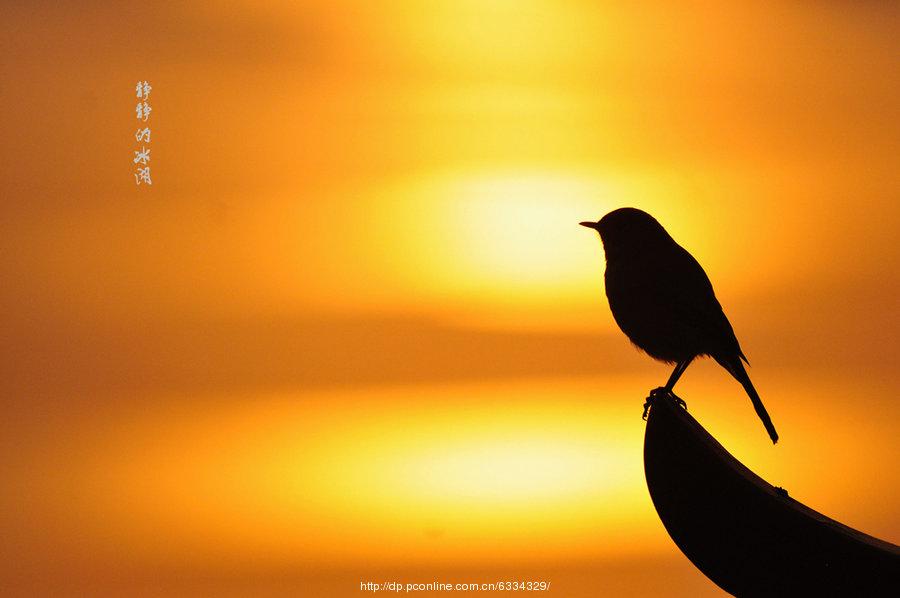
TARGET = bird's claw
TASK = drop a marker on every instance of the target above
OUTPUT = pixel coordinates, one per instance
(656, 393)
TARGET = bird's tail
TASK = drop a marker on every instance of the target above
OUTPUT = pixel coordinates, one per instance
(736, 369)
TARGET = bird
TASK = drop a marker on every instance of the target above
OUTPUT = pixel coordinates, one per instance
(664, 302)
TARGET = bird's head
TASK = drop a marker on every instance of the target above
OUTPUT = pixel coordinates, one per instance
(628, 228)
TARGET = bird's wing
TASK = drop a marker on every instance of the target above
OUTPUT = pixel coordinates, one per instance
(685, 288)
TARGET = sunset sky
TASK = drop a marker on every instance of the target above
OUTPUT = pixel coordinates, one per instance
(353, 331)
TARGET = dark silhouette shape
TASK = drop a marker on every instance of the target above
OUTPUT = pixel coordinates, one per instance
(749, 537)
(663, 301)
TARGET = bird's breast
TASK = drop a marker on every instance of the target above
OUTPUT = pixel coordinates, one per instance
(630, 291)
(640, 307)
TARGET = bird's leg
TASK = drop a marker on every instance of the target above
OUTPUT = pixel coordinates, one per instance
(676, 373)
(667, 389)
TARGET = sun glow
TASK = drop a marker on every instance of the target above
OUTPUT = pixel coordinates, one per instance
(502, 239)
(346, 325)
(297, 475)
(516, 232)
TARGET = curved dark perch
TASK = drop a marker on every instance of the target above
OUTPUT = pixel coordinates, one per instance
(747, 536)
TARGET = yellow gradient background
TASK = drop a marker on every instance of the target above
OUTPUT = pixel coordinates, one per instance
(353, 332)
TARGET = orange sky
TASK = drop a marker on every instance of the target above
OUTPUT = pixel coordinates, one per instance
(354, 328)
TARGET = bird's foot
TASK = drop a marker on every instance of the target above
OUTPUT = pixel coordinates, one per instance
(654, 394)
(664, 392)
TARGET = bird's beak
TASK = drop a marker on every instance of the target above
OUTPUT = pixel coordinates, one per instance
(592, 225)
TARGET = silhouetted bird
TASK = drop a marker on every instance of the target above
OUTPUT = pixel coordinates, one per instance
(663, 301)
